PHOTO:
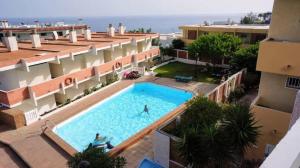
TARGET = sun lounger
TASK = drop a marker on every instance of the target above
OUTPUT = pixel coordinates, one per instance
(183, 78)
(147, 163)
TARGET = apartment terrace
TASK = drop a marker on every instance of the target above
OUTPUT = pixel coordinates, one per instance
(53, 50)
(13, 97)
(281, 54)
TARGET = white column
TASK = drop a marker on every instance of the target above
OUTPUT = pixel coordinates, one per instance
(36, 41)
(87, 34)
(73, 36)
(11, 42)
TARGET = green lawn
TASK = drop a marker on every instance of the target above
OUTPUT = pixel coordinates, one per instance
(176, 68)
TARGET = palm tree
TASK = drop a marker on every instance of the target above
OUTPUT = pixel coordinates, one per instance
(206, 147)
(212, 136)
(241, 128)
(94, 158)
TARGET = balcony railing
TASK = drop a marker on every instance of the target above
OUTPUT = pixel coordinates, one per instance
(16, 96)
(280, 57)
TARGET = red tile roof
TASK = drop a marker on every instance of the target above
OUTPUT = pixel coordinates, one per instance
(62, 46)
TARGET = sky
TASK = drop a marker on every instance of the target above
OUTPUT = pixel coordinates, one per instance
(93, 8)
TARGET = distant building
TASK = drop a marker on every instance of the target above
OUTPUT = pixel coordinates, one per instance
(249, 34)
(21, 32)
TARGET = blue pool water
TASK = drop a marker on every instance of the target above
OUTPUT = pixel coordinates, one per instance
(121, 116)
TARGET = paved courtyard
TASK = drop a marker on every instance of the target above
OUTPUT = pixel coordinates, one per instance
(38, 151)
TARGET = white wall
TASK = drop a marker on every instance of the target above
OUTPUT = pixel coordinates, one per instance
(94, 60)
(131, 50)
(17, 78)
(9, 80)
(161, 149)
(46, 104)
(140, 46)
(56, 70)
(70, 66)
(107, 55)
(148, 45)
(117, 53)
(38, 74)
(274, 94)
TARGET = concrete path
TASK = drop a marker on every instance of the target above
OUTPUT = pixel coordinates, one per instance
(39, 151)
(9, 159)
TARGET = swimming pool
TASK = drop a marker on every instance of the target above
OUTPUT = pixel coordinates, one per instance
(121, 115)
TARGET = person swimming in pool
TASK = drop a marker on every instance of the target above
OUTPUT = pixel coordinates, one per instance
(101, 142)
(146, 110)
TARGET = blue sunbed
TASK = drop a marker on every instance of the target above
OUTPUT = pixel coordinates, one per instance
(147, 163)
(183, 78)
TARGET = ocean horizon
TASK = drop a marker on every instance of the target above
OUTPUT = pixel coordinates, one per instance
(160, 24)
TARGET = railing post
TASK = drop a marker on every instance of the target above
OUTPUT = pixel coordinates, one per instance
(76, 83)
(25, 65)
(72, 56)
(32, 95)
(62, 87)
(187, 55)
(217, 96)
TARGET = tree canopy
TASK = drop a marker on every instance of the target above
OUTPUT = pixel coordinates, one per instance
(261, 18)
(178, 44)
(245, 58)
(140, 30)
(214, 46)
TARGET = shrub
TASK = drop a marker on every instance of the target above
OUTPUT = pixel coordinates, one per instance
(203, 112)
(87, 92)
(95, 158)
(113, 78)
(239, 123)
(178, 44)
(215, 136)
(214, 46)
(245, 58)
(251, 80)
(67, 101)
(235, 95)
(133, 75)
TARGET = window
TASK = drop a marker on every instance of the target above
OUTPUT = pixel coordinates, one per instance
(293, 82)
(192, 34)
(60, 33)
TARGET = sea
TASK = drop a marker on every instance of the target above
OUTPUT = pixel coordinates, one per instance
(159, 24)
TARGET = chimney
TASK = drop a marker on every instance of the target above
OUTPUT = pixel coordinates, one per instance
(73, 35)
(11, 41)
(87, 34)
(55, 35)
(122, 29)
(4, 23)
(35, 39)
(111, 30)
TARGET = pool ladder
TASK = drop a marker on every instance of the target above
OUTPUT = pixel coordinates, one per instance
(46, 125)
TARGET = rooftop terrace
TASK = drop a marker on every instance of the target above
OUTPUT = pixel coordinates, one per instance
(55, 48)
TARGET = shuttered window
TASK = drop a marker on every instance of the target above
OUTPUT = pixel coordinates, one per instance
(293, 82)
